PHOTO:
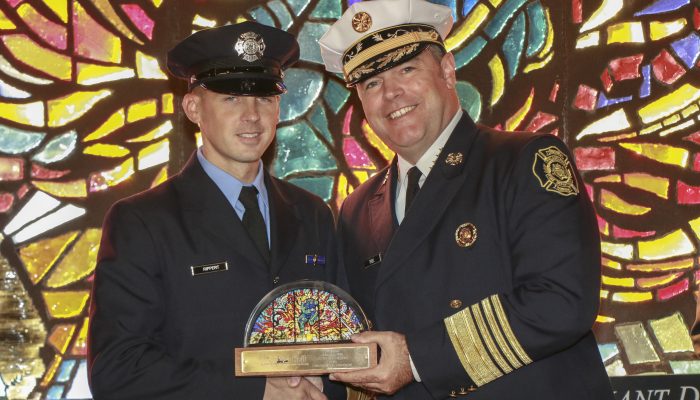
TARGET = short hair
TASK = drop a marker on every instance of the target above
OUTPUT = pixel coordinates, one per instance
(436, 51)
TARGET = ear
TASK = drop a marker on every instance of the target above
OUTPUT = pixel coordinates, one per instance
(448, 66)
(191, 106)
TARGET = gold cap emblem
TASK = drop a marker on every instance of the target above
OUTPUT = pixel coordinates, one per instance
(361, 22)
(250, 46)
(465, 235)
(454, 159)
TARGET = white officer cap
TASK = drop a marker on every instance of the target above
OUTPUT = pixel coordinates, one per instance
(374, 36)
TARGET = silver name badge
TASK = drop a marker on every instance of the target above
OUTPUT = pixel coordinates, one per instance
(374, 260)
(209, 268)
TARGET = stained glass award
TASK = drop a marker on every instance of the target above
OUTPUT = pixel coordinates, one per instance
(304, 328)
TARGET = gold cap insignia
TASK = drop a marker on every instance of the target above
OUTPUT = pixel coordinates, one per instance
(454, 159)
(554, 172)
(465, 235)
(250, 46)
(361, 22)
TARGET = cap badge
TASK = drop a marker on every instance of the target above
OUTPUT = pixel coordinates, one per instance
(454, 159)
(465, 235)
(250, 46)
(361, 22)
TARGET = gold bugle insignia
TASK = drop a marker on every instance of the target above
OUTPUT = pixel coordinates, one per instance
(465, 235)
(361, 22)
(454, 159)
(554, 172)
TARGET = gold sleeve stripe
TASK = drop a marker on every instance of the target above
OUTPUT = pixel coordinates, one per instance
(485, 334)
(386, 45)
(500, 313)
(502, 344)
(470, 349)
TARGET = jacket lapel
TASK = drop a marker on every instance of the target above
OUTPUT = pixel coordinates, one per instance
(381, 210)
(440, 187)
(284, 225)
(209, 217)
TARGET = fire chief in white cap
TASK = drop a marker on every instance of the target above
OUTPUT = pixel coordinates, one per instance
(475, 253)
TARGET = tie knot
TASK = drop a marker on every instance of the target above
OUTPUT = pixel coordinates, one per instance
(249, 197)
(414, 175)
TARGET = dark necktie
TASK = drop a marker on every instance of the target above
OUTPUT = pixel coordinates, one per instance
(253, 220)
(412, 187)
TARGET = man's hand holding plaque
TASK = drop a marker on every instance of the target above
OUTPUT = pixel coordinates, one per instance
(304, 328)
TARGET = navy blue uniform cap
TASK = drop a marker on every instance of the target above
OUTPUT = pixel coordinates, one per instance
(245, 59)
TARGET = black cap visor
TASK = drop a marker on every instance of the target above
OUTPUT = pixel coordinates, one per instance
(243, 84)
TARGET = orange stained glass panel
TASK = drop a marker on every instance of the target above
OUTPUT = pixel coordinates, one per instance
(52, 33)
(684, 264)
(60, 337)
(654, 282)
(65, 304)
(91, 40)
(73, 106)
(80, 344)
(79, 262)
(45, 60)
(38, 257)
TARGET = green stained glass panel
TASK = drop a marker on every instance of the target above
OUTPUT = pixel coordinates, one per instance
(17, 141)
(537, 23)
(303, 87)
(321, 186)
(299, 5)
(470, 99)
(308, 41)
(513, 45)
(261, 15)
(327, 9)
(299, 150)
(469, 52)
(58, 148)
(335, 95)
(319, 120)
(282, 13)
(505, 13)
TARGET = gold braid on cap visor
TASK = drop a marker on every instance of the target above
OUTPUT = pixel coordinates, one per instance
(387, 45)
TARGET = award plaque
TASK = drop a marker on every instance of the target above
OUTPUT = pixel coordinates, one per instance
(304, 328)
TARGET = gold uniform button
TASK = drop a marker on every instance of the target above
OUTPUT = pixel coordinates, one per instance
(462, 391)
(453, 394)
(472, 388)
(456, 303)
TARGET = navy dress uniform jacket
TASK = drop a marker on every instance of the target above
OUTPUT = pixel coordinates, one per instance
(493, 275)
(157, 331)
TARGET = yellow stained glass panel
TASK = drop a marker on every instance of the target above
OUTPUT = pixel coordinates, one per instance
(636, 342)
(497, 79)
(610, 263)
(602, 319)
(80, 344)
(655, 184)
(609, 178)
(157, 3)
(612, 202)
(671, 103)
(73, 106)
(615, 122)
(619, 250)
(677, 128)
(656, 281)
(539, 64)
(155, 154)
(618, 137)
(165, 128)
(674, 244)
(626, 32)
(690, 110)
(107, 10)
(623, 282)
(91, 74)
(51, 371)
(683, 264)
(147, 67)
(39, 256)
(59, 7)
(161, 177)
(70, 189)
(377, 143)
(590, 39)
(106, 150)
(671, 120)
(659, 30)
(166, 101)
(463, 32)
(660, 152)
(141, 110)
(105, 179)
(47, 61)
(60, 337)
(695, 225)
(549, 42)
(5, 23)
(513, 122)
(114, 122)
(25, 114)
(672, 333)
(632, 297)
(79, 262)
(65, 304)
(205, 22)
(607, 10)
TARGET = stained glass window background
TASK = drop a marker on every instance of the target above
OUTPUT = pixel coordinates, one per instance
(88, 116)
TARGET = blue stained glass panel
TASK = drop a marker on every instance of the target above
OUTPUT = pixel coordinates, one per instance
(11, 92)
(298, 5)
(645, 88)
(537, 23)
(281, 13)
(468, 6)
(79, 388)
(687, 49)
(261, 15)
(663, 6)
(603, 101)
(55, 392)
(308, 41)
(503, 15)
(608, 351)
(65, 370)
(452, 4)
(321, 186)
(469, 52)
(470, 99)
(303, 88)
(335, 95)
(513, 45)
(327, 9)
(17, 141)
(319, 120)
(58, 148)
(299, 150)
